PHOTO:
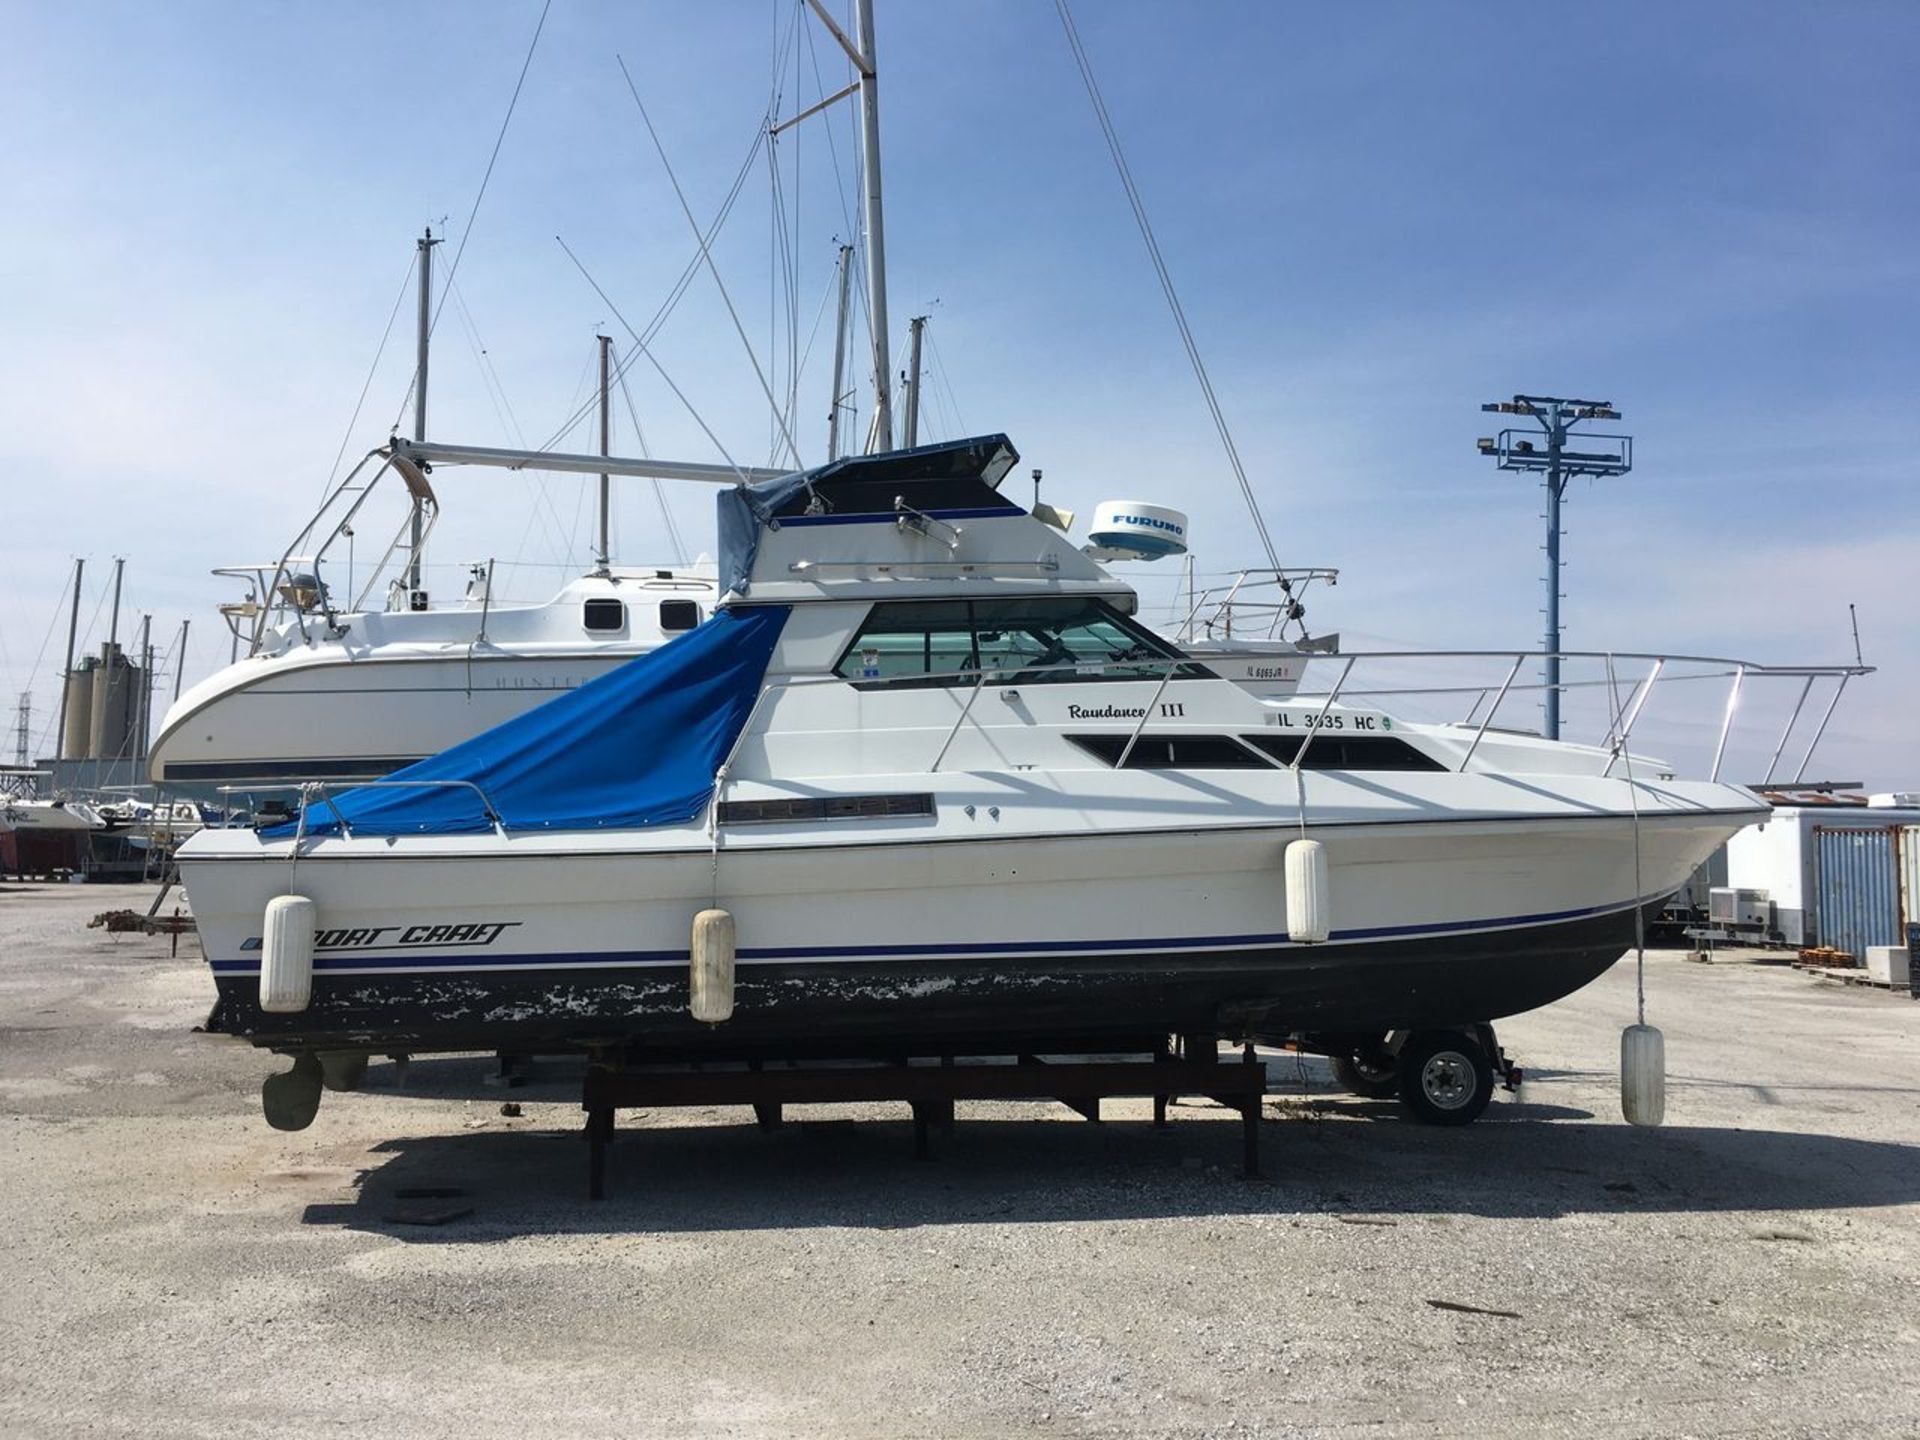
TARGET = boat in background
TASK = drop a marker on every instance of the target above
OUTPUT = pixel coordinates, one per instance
(46, 836)
(338, 691)
(355, 694)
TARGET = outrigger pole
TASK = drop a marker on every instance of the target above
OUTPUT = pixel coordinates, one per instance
(423, 454)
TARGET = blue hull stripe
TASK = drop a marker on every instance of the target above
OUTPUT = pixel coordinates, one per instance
(391, 959)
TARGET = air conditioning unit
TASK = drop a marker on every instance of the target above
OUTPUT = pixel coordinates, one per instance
(1730, 908)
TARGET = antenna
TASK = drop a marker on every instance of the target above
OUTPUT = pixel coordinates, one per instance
(1512, 449)
(1854, 616)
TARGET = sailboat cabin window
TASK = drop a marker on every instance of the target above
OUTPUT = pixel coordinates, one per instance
(603, 615)
(676, 615)
(1018, 642)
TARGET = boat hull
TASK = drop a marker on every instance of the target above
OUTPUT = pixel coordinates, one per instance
(940, 946)
(799, 1009)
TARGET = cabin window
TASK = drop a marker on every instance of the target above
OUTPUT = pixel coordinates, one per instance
(1021, 642)
(679, 615)
(1346, 752)
(1172, 752)
(606, 615)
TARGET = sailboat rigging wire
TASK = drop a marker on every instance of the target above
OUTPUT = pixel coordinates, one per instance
(946, 384)
(675, 294)
(380, 351)
(490, 377)
(467, 233)
(1166, 278)
(833, 150)
(659, 491)
(706, 254)
(504, 412)
(678, 393)
(819, 317)
(1639, 886)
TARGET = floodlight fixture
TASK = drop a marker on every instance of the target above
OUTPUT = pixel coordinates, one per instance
(1606, 455)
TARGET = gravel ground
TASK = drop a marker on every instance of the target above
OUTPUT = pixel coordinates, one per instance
(172, 1267)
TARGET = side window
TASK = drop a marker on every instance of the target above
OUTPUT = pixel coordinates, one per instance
(604, 615)
(678, 615)
(1172, 752)
(1346, 752)
(1025, 642)
(934, 639)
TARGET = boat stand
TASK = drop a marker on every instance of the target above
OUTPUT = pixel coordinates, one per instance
(930, 1085)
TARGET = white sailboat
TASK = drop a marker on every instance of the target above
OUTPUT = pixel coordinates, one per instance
(357, 684)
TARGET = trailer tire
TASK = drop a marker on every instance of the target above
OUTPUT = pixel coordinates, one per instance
(1370, 1072)
(1445, 1077)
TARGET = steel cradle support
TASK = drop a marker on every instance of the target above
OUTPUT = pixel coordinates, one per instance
(930, 1088)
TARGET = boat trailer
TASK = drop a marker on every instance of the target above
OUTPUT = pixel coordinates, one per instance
(931, 1085)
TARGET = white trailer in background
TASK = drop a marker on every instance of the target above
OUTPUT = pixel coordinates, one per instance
(1780, 857)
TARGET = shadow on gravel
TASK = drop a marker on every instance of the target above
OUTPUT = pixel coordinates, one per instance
(690, 1177)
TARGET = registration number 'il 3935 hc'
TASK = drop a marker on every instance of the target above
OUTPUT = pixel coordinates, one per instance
(458, 935)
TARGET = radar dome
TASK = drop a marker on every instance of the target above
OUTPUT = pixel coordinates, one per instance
(1136, 529)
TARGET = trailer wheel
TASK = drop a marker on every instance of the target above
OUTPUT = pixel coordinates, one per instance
(1445, 1078)
(1371, 1072)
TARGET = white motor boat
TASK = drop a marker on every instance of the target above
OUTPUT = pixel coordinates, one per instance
(146, 824)
(949, 792)
(48, 817)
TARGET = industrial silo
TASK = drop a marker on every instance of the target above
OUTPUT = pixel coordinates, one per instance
(115, 687)
(76, 740)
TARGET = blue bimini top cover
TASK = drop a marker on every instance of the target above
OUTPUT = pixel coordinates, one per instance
(638, 746)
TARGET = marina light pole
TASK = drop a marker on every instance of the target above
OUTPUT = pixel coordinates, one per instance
(1554, 418)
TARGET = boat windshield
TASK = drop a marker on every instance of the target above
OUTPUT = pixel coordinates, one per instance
(1026, 641)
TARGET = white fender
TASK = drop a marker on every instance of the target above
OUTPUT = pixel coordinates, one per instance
(1309, 916)
(1308, 911)
(1643, 1075)
(710, 961)
(286, 955)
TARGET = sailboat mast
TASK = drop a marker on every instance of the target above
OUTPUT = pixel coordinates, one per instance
(113, 625)
(601, 557)
(66, 675)
(839, 354)
(876, 227)
(416, 527)
(180, 655)
(914, 328)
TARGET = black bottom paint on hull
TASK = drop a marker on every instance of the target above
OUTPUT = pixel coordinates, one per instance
(846, 1009)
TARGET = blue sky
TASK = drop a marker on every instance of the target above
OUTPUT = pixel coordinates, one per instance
(1379, 216)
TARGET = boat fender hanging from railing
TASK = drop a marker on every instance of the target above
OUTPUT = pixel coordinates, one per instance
(710, 967)
(286, 955)
(1308, 911)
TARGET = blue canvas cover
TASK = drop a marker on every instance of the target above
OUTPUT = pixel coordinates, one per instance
(932, 478)
(638, 746)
